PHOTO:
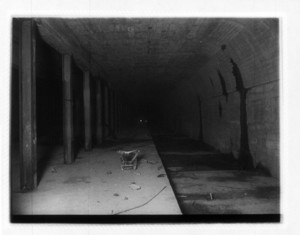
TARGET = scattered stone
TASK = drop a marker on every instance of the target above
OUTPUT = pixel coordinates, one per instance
(116, 195)
(98, 202)
(135, 186)
(137, 173)
(151, 162)
(108, 172)
(125, 198)
(161, 175)
(211, 197)
(159, 168)
(143, 160)
(53, 170)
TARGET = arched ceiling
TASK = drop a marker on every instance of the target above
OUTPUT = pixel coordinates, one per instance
(140, 55)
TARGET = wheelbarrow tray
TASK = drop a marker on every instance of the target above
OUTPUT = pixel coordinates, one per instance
(129, 159)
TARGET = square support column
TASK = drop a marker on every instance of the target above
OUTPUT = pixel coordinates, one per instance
(68, 128)
(116, 115)
(106, 112)
(99, 109)
(112, 114)
(28, 135)
(119, 116)
(87, 112)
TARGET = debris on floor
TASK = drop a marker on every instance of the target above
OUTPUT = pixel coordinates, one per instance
(151, 162)
(159, 168)
(135, 186)
(215, 181)
(133, 208)
(109, 190)
(210, 197)
(161, 175)
(53, 170)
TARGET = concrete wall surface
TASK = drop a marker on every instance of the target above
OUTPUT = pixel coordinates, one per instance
(238, 93)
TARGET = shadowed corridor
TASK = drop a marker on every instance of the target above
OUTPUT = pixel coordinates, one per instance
(199, 97)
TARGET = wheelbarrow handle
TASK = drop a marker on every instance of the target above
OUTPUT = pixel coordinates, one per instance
(127, 152)
(134, 157)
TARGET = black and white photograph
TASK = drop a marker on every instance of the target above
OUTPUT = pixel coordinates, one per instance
(138, 116)
(145, 119)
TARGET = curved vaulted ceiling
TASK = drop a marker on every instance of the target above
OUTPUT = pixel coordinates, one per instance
(143, 56)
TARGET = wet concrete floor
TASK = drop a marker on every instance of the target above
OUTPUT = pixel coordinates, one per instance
(207, 182)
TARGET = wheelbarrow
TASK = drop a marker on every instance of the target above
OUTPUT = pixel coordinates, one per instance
(129, 159)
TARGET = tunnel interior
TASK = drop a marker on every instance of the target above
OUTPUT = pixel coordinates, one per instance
(213, 82)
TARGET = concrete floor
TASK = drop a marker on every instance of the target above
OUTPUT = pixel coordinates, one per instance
(96, 185)
(204, 181)
(207, 182)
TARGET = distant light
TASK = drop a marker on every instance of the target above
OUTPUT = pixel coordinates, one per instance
(141, 121)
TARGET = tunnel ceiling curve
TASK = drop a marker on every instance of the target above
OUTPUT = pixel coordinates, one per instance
(141, 55)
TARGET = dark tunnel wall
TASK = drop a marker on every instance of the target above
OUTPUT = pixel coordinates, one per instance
(49, 94)
(237, 94)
